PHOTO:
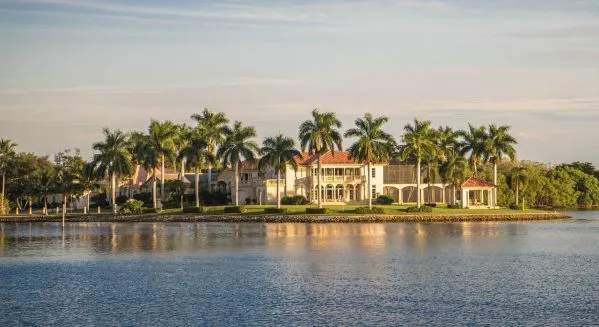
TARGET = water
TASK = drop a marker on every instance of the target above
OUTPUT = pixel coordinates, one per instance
(143, 274)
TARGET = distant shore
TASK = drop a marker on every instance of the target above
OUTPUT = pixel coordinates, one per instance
(292, 218)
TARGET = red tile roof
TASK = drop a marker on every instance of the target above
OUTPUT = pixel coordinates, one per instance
(339, 157)
(477, 182)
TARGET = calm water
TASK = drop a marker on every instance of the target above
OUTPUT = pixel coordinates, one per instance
(533, 273)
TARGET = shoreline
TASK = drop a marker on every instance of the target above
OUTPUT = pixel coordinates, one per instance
(291, 218)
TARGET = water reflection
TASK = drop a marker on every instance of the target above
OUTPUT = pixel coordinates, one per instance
(48, 239)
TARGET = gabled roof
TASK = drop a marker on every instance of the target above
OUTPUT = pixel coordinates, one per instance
(338, 157)
(477, 182)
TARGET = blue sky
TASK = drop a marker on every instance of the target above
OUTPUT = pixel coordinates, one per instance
(70, 67)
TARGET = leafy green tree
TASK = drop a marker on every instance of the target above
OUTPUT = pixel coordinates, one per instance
(373, 145)
(45, 185)
(68, 176)
(417, 143)
(7, 153)
(88, 182)
(498, 144)
(113, 159)
(214, 127)
(277, 152)
(162, 138)
(319, 136)
(453, 171)
(238, 145)
(519, 180)
(198, 154)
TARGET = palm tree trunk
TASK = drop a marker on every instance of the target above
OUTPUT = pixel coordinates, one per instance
(87, 202)
(454, 194)
(278, 192)
(30, 206)
(2, 194)
(369, 187)
(182, 169)
(197, 186)
(318, 182)
(154, 201)
(418, 200)
(162, 178)
(45, 205)
(517, 187)
(236, 183)
(495, 182)
(113, 181)
(64, 208)
(209, 178)
(430, 191)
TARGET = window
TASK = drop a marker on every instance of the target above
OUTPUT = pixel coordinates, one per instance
(373, 191)
(373, 173)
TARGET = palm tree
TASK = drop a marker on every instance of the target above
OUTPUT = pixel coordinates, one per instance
(197, 154)
(181, 141)
(320, 135)
(373, 144)
(113, 159)
(145, 154)
(453, 171)
(68, 176)
(417, 144)
(519, 179)
(276, 152)
(214, 127)
(473, 143)
(162, 137)
(238, 145)
(7, 153)
(45, 185)
(499, 144)
(88, 181)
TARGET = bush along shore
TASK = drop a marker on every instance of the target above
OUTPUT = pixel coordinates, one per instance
(295, 218)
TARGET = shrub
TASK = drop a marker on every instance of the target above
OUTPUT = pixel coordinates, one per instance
(294, 200)
(384, 199)
(132, 207)
(240, 209)
(274, 210)
(316, 210)
(193, 209)
(151, 210)
(248, 201)
(145, 197)
(366, 210)
(432, 205)
(453, 206)
(99, 200)
(214, 198)
(254, 201)
(121, 199)
(421, 209)
(517, 207)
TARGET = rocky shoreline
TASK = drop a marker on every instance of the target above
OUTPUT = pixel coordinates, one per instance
(277, 218)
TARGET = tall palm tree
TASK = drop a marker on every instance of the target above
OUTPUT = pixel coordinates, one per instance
(67, 177)
(417, 143)
(373, 144)
(519, 179)
(7, 153)
(197, 154)
(146, 154)
(113, 159)
(181, 141)
(277, 152)
(498, 144)
(162, 137)
(214, 127)
(238, 145)
(473, 143)
(453, 171)
(88, 181)
(318, 136)
(45, 185)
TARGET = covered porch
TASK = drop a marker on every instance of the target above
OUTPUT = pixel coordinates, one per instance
(478, 194)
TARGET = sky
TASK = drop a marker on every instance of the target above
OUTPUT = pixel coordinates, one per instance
(68, 68)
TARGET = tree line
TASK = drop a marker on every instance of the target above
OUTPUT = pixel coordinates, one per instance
(213, 141)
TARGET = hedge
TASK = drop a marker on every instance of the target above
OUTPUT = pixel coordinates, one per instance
(239, 209)
(316, 210)
(366, 210)
(384, 199)
(151, 210)
(274, 210)
(421, 209)
(199, 209)
(294, 200)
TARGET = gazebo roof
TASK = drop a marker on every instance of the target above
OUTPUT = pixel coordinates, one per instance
(473, 182)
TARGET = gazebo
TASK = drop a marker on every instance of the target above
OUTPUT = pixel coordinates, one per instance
(477, 193)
